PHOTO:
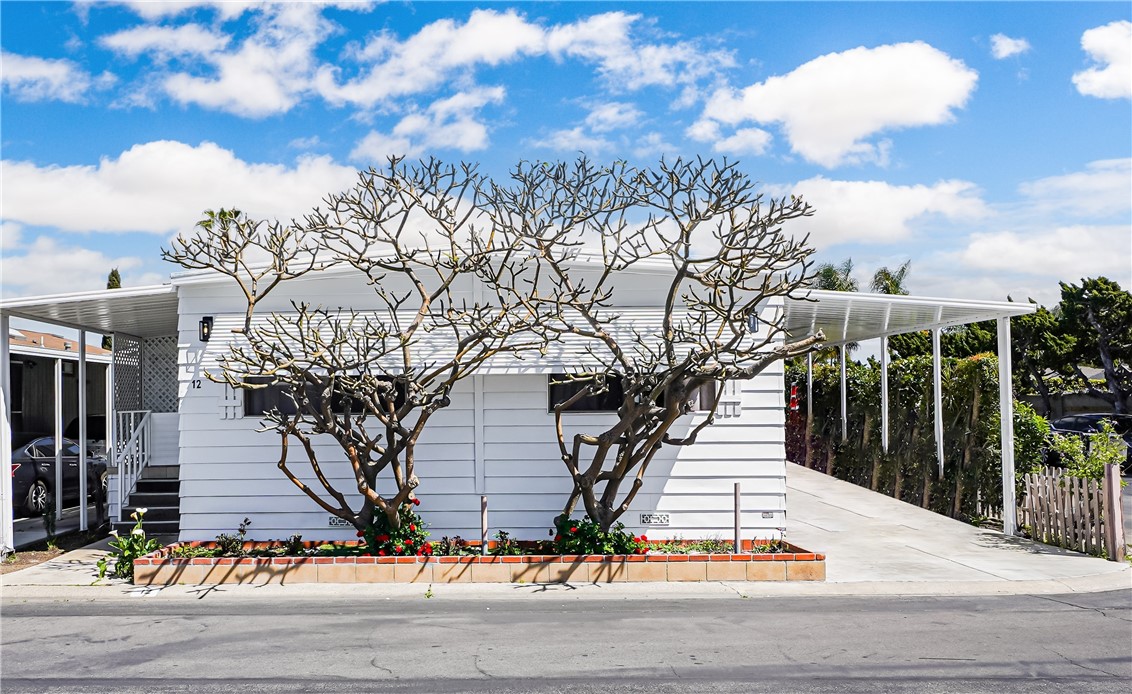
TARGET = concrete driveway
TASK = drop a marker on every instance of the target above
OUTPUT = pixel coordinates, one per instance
(871, 538)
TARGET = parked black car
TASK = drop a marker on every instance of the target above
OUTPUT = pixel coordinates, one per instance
(1087, 425)
(33, 471)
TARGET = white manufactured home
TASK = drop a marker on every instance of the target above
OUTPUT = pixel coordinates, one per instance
(496, 439)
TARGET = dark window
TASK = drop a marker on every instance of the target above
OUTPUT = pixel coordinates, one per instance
(277, 396)
(703, 397)
(560, 389)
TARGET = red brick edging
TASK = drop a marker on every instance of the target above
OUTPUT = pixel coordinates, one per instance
(159, 568)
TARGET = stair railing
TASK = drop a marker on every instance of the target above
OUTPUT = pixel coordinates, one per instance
(132, 456)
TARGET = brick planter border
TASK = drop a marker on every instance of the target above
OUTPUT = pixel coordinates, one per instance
(159, 568)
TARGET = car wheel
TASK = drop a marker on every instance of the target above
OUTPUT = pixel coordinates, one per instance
(37, 498)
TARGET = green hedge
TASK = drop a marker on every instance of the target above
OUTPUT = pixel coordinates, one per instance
(971, 481)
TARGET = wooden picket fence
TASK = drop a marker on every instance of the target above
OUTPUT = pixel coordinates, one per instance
(1064, 511)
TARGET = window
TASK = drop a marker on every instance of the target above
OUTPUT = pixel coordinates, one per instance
(559, 389)
(276, 396)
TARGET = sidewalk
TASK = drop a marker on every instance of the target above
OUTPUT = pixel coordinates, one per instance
(874, 545)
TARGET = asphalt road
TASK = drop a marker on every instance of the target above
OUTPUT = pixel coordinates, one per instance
(1002, 644)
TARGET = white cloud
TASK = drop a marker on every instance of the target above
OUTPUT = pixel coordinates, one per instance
(166, 42)
(829, 106)
(1110, 46)
(1066, 253)
(572, 140)
(1099, 191)
(225, 9)
(28, 78)
(162, 187)
(447, 124)
(628, 64)
(653, 145)
(744, 141)
(48, 267)
(432, 56)
(877, 211)
(1002, 46)
(612, 115)
(446, 48)
(10, 233)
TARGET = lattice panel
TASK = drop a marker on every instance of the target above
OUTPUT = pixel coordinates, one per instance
(127, 373)
(159, 374)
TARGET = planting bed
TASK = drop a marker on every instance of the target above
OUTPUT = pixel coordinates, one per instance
(162, 568)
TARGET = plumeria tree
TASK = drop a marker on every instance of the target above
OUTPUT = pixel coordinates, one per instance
(726, 258)
(444, 296)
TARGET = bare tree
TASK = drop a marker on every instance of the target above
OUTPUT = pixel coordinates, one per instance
(727, 256)
(444, 301)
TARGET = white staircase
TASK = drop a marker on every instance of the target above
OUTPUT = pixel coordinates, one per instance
(157, 485)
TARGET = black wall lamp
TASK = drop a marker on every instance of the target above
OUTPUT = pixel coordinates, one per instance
(205, 328)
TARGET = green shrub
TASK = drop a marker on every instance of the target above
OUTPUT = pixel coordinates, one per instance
(127, 549)
(584, 536)
(409, 539)
(233, 545)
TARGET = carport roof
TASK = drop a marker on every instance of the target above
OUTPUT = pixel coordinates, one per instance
(843, 316)
(138, 311)
(852, 316)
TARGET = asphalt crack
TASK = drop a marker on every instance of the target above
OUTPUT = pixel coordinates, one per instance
(1083, 667)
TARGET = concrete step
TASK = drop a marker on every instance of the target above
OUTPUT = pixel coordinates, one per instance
(158, 486)
(170, 528)
(150, 500)
(154, 513)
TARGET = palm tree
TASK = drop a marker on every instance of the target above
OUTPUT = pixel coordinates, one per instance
(887, 281)
(837, 278)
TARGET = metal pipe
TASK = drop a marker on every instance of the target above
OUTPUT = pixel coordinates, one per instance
(1006, 419)
(483, 525)
(738, 520)
(58, 491)
(937, 395)
(83, 462)
(7, 531)
(884, 394)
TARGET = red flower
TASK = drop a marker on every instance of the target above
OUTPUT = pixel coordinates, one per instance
(574, 529)
(416, 502)
(382, 538)
(644, 539)
(557, 538)
(397, 549)
(408, 543)
(381, 553)
(412, 528)
(361, 533)
(428, 546)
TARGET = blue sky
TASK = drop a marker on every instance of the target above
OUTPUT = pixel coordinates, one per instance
(990, 144)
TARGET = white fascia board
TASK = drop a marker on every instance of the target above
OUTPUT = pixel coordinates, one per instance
(56, 354)
(25, 301)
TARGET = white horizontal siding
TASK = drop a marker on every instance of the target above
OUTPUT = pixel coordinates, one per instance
(228, 470)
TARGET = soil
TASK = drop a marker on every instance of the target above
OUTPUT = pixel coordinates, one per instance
(40, 552)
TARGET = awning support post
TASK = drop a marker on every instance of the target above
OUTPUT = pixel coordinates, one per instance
(7, 531)
(83, 462)
(937, 394)
(884, 393)
(844, 399)
(58, 491)
(1006, 417)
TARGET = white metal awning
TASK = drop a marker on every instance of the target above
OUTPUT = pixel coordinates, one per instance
(852, 316)
(138, 311)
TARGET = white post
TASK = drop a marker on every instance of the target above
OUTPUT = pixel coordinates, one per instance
(7, 532)
(937, 394)
(1006, 417)
(58, 439)
(738, 520)
(483, 526)
(884, 393)
(83, 520)
(844, 400)
(111, 427)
